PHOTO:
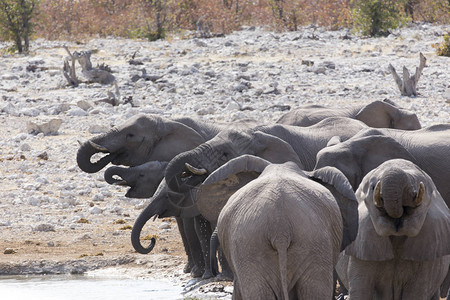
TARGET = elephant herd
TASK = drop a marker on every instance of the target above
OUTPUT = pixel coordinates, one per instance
(358, 194)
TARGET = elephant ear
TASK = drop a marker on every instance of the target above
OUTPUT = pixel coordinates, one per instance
(368, 245)
(334, 141)
(337, 183)
(378, 114)
(433, 240)
(274, 149)
(175, 138)
(215, 191)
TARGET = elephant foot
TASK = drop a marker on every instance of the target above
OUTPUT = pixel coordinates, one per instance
(196, 272)
(187, 268)
(225, 276)
(207, 275)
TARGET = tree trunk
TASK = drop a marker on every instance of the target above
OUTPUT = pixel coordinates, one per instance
(407, 85)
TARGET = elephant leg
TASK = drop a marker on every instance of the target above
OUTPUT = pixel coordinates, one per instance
(226, 273)
(204, 232)
(213, 268)
(194, 246)
(236, 291)
(190, 262)
(317, 285)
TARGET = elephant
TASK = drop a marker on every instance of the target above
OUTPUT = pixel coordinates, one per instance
(402, 249)
(428, 148)
(282, 231)
(275, 143)
(377, 114)
(195, 231)
(145, 181)
(144, 138)
(142, 180)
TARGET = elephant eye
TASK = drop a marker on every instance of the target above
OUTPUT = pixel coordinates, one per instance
(130, 135)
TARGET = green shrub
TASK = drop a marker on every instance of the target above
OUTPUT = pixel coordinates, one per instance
(15, 22)
(377, 17)
(147, 33)
(443, 49)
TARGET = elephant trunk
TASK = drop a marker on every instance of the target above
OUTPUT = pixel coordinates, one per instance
(182, 166)
(86, 151)
(119, 171)
(157, 206)
(392, 189)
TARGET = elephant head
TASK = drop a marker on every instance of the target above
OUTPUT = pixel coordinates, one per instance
(140, 139)
(215, 191)
(158, 206)
(359, 155)
(399, 202)
(143, 180)
(385, 114)
(190, 168)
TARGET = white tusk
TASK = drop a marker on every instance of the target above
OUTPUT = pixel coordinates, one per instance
(98, 147)
(194, 170)
(121, 182)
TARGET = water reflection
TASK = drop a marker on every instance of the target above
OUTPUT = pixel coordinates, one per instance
(84, 288)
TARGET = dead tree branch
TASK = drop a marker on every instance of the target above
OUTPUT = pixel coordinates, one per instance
(100, 74)
(407, 84)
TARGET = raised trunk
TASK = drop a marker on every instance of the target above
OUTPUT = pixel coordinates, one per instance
(175, 169)
(85, 152)
(391, 191)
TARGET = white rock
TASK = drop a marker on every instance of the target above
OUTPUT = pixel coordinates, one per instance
(44, 227)
(47, 128)
(25, 147)
(76, 112)
(95, 210)
(165, 225)
(10, 77)
(96, 128)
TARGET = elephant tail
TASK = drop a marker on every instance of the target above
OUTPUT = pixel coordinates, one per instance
(281, 245)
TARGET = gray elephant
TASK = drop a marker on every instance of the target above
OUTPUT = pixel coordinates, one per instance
(195, 231)
(427, 147)
(402, 250)
(144, 138)
(378, 114)
(143, 182)
(275, 143)
(283, 231)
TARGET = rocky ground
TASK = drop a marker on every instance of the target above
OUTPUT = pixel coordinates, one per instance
(56, 219)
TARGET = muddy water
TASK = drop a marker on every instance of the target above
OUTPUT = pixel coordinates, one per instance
(84, 288)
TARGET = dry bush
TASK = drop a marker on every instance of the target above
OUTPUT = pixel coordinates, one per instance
(148, 18)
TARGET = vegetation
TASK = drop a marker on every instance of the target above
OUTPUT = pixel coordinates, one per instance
(155, 19)
(15, 22)
(443, 49)
(377, 17)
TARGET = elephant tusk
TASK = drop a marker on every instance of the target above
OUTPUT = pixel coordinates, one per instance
(194, 170)
(420, 194)
(120, 182)
(377, 199)
(98, 147)
(79, 142)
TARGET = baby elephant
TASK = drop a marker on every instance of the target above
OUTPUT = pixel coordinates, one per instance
(402, 250)
(283, 231)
